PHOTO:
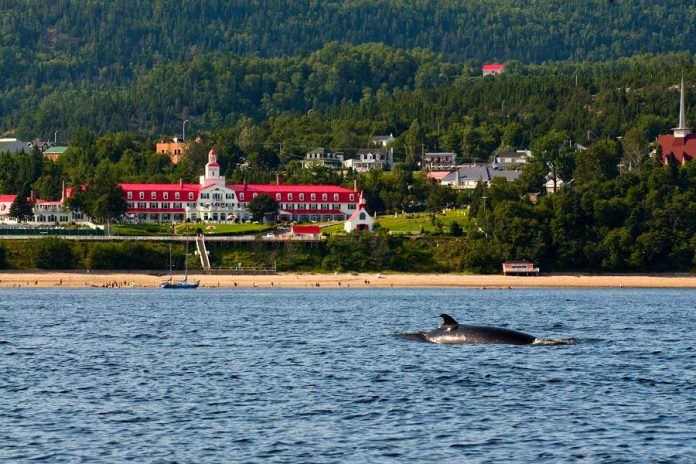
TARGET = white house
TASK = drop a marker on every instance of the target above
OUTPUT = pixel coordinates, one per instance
(360, 220)
(371, 158)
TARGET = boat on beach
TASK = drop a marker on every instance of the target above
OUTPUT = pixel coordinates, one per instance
(180, 284)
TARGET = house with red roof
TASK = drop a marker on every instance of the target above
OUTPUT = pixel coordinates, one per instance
(681, 143)
(5, 204)
(360, 220)
(493, 69)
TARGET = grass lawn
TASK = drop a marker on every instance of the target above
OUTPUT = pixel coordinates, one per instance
(411, 223)
(222, 229)
(189, 229)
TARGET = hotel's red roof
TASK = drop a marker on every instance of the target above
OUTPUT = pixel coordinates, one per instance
(312, 211)
(161, 187)
(7, 198)
(493, 67)
(290, 188)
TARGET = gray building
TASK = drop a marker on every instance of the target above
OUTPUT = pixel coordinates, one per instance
(468, 177)
(319, 156)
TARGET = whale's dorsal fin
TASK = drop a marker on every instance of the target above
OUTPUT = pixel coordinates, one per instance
(449, 322)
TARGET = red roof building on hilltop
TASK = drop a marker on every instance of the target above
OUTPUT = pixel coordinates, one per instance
(681, 144)
(491, 69)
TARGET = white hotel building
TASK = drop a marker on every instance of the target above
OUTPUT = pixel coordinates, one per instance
(214, 200)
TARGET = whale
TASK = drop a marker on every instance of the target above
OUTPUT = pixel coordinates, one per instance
(453, 333)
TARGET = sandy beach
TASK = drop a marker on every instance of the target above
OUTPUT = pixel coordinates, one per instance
(17, 279)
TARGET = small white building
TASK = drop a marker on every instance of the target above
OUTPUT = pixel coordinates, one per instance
(373, 158)
(360, 220)
(383, 140)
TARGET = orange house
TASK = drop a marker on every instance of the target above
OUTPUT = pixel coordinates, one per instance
(174, 149)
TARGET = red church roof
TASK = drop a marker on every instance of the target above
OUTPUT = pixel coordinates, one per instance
(683, 148)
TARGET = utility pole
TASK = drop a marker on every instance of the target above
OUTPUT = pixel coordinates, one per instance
(183, 130)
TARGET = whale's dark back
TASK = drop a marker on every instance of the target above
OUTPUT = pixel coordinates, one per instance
(485, 334)
(474, 334)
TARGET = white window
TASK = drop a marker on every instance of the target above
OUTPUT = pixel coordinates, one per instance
(335, 196)
(278, 196)
(289, 196)
(165, 205)
(255, 195)
(352, 197)
(313, 196)
(141, 195)
(165, 195)
(153, 205)
(301, 196)
(130, 195)
(153, 196)
(190, 195)
(324, 196)
(177, 195)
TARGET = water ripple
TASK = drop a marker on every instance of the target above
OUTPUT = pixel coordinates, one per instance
(293, 376)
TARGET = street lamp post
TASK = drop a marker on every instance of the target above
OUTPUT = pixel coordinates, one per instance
(183, 130)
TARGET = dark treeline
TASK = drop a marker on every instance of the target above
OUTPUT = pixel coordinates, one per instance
(147, 65)
(109, 39)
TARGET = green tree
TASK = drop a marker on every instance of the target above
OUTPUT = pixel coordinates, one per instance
(21, 207)
(598, 163)
(555, 152)
(263, 207)
(53, 253)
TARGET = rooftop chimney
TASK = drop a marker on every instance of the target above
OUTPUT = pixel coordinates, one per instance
(181, 182)
(355, 185)
(279, 179)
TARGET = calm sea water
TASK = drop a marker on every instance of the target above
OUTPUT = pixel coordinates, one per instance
(317, 375)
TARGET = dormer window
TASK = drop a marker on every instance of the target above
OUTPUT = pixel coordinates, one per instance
(289, 196)
(324, 196)
(190, 195)
(165, 195)
(141, 195)
(278, 197)
(335, 196)
(177, 195)
(130, 195)
(313, 196)
(153, 195)
(301, 196)
(254, 195)
(352, 197)
(241, 197)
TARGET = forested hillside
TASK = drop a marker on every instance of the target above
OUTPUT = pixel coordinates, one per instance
(146, 65)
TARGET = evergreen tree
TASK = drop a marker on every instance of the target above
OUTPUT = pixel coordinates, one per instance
(21, 207)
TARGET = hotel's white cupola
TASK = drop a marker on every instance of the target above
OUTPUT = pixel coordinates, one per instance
(212, 171)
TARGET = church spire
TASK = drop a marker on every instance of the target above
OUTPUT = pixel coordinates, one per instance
(682, 130)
